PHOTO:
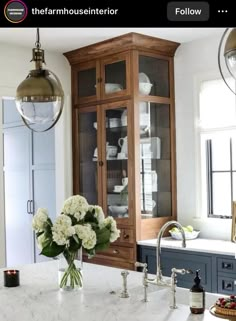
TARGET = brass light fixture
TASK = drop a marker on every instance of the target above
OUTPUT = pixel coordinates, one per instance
(40, 97)
(227, 58)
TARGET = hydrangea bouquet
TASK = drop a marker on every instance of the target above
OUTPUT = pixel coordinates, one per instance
(79, 225)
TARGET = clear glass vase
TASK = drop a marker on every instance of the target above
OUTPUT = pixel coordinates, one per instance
(70, 270)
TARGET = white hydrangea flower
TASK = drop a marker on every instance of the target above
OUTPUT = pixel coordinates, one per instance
(59, 238)
(90, 241)
(98, 213)
(62, 229)
(115, 233)
(87, 235)
(40, 219)
(76, 205)
(82, 230)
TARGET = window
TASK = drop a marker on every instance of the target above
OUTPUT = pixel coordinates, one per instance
(218, 146)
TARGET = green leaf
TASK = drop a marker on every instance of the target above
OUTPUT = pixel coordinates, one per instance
(90, 218)
(39, 233)
(52, 249)
(77, 240)
(73, 219)
(74, 246)
(102, 246)
(103, 235)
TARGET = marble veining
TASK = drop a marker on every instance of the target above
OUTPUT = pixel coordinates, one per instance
(198, 245)
(38, 298)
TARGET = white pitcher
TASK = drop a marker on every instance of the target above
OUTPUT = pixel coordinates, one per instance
(123, 143)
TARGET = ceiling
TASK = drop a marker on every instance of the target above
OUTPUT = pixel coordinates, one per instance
(66, 39)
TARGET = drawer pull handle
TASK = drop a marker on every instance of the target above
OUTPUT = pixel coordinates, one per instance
(227, 265)
(228, 286)
(116, 251)
(125, 236)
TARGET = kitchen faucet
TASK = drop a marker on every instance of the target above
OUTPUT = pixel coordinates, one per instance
(159, 280)
(159, 277)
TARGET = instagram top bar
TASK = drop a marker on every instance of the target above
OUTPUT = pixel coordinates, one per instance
(114, 13)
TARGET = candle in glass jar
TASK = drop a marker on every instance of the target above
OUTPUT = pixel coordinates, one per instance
(11, 278)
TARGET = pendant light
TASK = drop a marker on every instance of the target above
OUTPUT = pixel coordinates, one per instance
(227, 58)
(40, 97)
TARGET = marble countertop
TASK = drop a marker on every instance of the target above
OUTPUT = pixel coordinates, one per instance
(39, 299)
(198, 245)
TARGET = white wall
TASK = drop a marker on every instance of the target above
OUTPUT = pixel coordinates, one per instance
(14, 67)
(194, 61)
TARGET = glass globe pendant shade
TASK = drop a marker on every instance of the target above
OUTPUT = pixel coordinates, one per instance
(40, 97)
(227, 58)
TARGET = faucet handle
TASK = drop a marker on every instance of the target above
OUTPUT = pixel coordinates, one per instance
(140, 264)
(181, 271)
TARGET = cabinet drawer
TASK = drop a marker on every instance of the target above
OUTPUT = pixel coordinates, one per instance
(226, 265)
(226, 284)
(113, 263)
(126, 236)
(118, 252)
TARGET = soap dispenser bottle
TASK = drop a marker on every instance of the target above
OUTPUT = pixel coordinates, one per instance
(197, 296)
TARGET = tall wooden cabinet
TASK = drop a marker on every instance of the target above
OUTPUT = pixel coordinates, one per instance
(124, 136)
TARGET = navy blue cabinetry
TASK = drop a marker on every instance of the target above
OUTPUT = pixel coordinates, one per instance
(179, 259)
(218, 272)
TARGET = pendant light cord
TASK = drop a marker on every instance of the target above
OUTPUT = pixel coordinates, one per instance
(37, 43)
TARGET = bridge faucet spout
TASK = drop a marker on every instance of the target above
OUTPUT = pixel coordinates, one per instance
(158, 248)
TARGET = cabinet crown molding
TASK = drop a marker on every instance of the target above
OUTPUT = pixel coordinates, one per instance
(122, 43)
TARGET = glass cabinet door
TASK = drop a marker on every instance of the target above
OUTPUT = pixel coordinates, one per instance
(155, 160)
(115, 72)
(153, 76)
(85, 80)
(88, 155)
(117, 162)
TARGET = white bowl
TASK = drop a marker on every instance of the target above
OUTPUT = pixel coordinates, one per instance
(144, 88)
(112, 88)
(118, 209)
(188, 235)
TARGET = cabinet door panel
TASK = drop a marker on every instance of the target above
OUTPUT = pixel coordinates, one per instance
(153, 76)
(86, 82)
(115, 73)
(18, 223)
(88, 156)
(155, 160)
(116, 151)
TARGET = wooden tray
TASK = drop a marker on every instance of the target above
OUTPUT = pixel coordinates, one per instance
(227, 317)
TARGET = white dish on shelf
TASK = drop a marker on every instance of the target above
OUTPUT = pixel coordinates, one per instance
(145, 88)
(118, 188)
(118, 209)
(188, 235)
(143, 77)
(112, 88)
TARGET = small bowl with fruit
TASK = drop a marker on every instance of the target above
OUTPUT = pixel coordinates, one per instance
(190, 233)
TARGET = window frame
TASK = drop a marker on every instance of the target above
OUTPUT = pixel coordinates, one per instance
(204, 180)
